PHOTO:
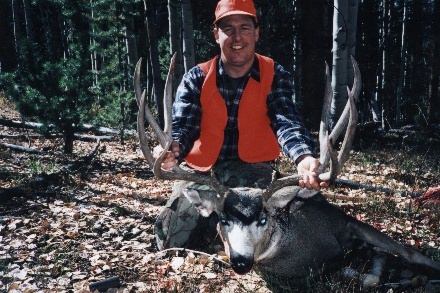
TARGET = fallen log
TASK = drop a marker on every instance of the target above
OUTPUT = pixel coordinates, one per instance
(85, 137)
(22, 149)
(356, 185)
(29, 136)
(81, 137)
(99, 130)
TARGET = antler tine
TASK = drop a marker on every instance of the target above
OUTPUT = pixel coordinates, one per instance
(143, 140)
(168, 96)
(338, 162)
(137, 82)
(163, 139)
(352, 121)
(356, 88)
(324, 124)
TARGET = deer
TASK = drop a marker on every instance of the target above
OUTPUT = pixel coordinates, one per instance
(282, 230)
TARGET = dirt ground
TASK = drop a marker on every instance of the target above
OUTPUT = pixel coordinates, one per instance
(94, 221)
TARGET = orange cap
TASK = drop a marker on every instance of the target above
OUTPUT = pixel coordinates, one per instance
(230, 7)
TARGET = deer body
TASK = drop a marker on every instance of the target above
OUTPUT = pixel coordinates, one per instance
(310, 236)
(294, 233)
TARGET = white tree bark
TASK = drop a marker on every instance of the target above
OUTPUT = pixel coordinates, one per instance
(340, 54)
(403, 64)
(344, 44)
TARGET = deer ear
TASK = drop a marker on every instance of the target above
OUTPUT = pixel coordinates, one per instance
(282, 197)
(203, 200)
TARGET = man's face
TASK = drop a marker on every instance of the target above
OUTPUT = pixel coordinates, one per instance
(236, 35)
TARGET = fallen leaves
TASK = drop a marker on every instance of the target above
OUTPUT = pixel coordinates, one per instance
(101, 224)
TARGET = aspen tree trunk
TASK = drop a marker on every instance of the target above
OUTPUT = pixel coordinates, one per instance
(124, 61)
(188, 35)
(175, 28)
(131, 44)
(340, 54)
(93, 54)
(154, 59)
(28, 21)
(383, 92)
(403, 68)
(297, 50)
(417, 78)
(16, 19)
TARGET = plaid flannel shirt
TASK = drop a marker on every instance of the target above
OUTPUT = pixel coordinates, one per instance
(292, 136)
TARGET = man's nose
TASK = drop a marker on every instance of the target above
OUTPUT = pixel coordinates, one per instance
(236, 35)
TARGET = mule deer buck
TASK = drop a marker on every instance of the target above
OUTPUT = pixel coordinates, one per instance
(283, 230)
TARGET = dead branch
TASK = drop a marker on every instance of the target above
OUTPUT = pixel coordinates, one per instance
(85, 137)
(98, 130)
(103, 285)
(28, 136)
(19, 148)
(81, 137)
(356, 185)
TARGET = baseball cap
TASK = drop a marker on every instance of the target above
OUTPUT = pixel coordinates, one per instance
(230, 7)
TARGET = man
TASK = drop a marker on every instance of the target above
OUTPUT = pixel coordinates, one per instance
(232, 114)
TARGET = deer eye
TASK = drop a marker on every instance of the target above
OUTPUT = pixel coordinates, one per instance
(224, 221)
(262, 221)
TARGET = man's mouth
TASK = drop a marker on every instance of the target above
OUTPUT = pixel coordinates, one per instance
(237, 47)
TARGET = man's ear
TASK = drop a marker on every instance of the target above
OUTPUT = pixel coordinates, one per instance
(205, 201)
(215, 32)
(257, 34)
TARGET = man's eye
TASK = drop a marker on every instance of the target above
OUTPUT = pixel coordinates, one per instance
(227, 31)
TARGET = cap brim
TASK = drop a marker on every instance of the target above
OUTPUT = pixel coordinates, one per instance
(235, 12)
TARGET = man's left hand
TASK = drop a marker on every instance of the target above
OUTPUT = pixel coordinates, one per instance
(308, 168)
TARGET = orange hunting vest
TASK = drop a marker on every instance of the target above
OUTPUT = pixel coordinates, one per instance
(256, 140)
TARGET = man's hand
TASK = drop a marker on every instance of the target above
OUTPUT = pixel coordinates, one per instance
(170, 159)
(308, 167)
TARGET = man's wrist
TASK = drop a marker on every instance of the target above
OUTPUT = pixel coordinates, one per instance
(302, 157)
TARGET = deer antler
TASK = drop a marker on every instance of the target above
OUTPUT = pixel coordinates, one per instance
(164, 137)
(348, 118)
(328, 154)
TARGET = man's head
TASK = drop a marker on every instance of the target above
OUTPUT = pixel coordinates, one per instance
(236, 31)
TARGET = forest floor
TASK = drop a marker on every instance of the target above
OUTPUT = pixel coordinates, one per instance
(94, 220)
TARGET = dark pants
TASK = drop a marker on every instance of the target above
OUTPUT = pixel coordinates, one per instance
(180, 225)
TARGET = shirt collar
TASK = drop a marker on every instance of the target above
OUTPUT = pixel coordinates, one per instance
(254, 72)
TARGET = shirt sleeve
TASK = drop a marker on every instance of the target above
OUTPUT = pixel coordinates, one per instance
(187, 110)
(292, 135)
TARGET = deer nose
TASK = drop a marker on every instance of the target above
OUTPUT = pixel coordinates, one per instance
(241, 264)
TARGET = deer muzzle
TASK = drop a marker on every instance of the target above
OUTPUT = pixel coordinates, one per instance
(241, 264)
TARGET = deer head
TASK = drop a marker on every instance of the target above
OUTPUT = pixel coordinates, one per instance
(247, 215)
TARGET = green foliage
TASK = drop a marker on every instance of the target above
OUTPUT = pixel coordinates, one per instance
(57, 91)
(164, 55)
(114, 73)
(37, 167)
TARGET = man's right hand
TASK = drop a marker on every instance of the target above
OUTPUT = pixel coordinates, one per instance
(170, 159)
